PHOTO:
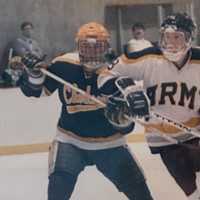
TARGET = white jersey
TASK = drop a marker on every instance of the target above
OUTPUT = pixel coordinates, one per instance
(172, 92)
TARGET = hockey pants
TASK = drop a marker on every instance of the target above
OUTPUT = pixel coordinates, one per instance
(117, 164)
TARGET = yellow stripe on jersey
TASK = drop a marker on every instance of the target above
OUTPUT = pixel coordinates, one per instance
(77, 102)
(127, 60)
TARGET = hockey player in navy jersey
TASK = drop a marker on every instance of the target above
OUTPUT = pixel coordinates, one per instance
(171, 80)
(84, 134)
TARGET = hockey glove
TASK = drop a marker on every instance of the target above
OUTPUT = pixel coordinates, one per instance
(32, 65)
(117, 113)
(32, 62)
(137, 101)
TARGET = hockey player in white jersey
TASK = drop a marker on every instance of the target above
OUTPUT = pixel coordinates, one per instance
(171, 80)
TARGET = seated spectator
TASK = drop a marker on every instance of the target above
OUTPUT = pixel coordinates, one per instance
(19, 47)
(138, 42)
(26, 43)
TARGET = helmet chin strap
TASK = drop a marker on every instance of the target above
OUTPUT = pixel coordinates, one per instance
(179, 59)
(175, 57)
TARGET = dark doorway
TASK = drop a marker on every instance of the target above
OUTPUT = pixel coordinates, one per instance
(119, 20)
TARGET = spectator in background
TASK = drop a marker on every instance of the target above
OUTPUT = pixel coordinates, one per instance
(26, 43)
(19, 47)
(138, 42)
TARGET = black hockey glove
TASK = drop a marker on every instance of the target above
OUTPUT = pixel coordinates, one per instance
(117, 113)
(137, 100)
(32, 62)
(33, 76)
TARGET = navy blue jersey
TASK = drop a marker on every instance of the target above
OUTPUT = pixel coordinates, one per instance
(79, 114)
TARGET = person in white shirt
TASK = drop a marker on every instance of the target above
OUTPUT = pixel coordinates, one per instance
(138, 42)
(25, 43)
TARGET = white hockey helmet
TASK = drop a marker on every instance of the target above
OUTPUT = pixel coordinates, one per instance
(177, 32)
(93, 43)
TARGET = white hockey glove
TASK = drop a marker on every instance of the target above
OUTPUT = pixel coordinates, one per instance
(137, 101)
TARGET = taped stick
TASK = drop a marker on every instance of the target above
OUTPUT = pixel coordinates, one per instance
(176, 124)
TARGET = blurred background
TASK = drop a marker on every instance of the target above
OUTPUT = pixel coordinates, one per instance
(56, 22)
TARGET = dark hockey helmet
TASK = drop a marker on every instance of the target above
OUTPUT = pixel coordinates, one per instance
(93, 43)
(181, 22)
(180, 26)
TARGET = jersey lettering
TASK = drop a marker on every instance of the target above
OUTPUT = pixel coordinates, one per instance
(151, 93)
(168, 90)
(188, 94)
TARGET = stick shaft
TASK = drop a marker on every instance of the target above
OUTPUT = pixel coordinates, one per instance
(158, 116)
(176, 124)
(73, 87)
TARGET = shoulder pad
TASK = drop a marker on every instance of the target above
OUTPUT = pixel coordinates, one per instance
(144, 52)
(134, 57)
(71, 58)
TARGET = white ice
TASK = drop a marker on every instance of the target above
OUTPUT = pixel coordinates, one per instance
(24, 177)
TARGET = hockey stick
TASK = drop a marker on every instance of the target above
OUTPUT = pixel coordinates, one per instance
(156, 115)
(174, 123)
(10, 55)
(53, 76)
